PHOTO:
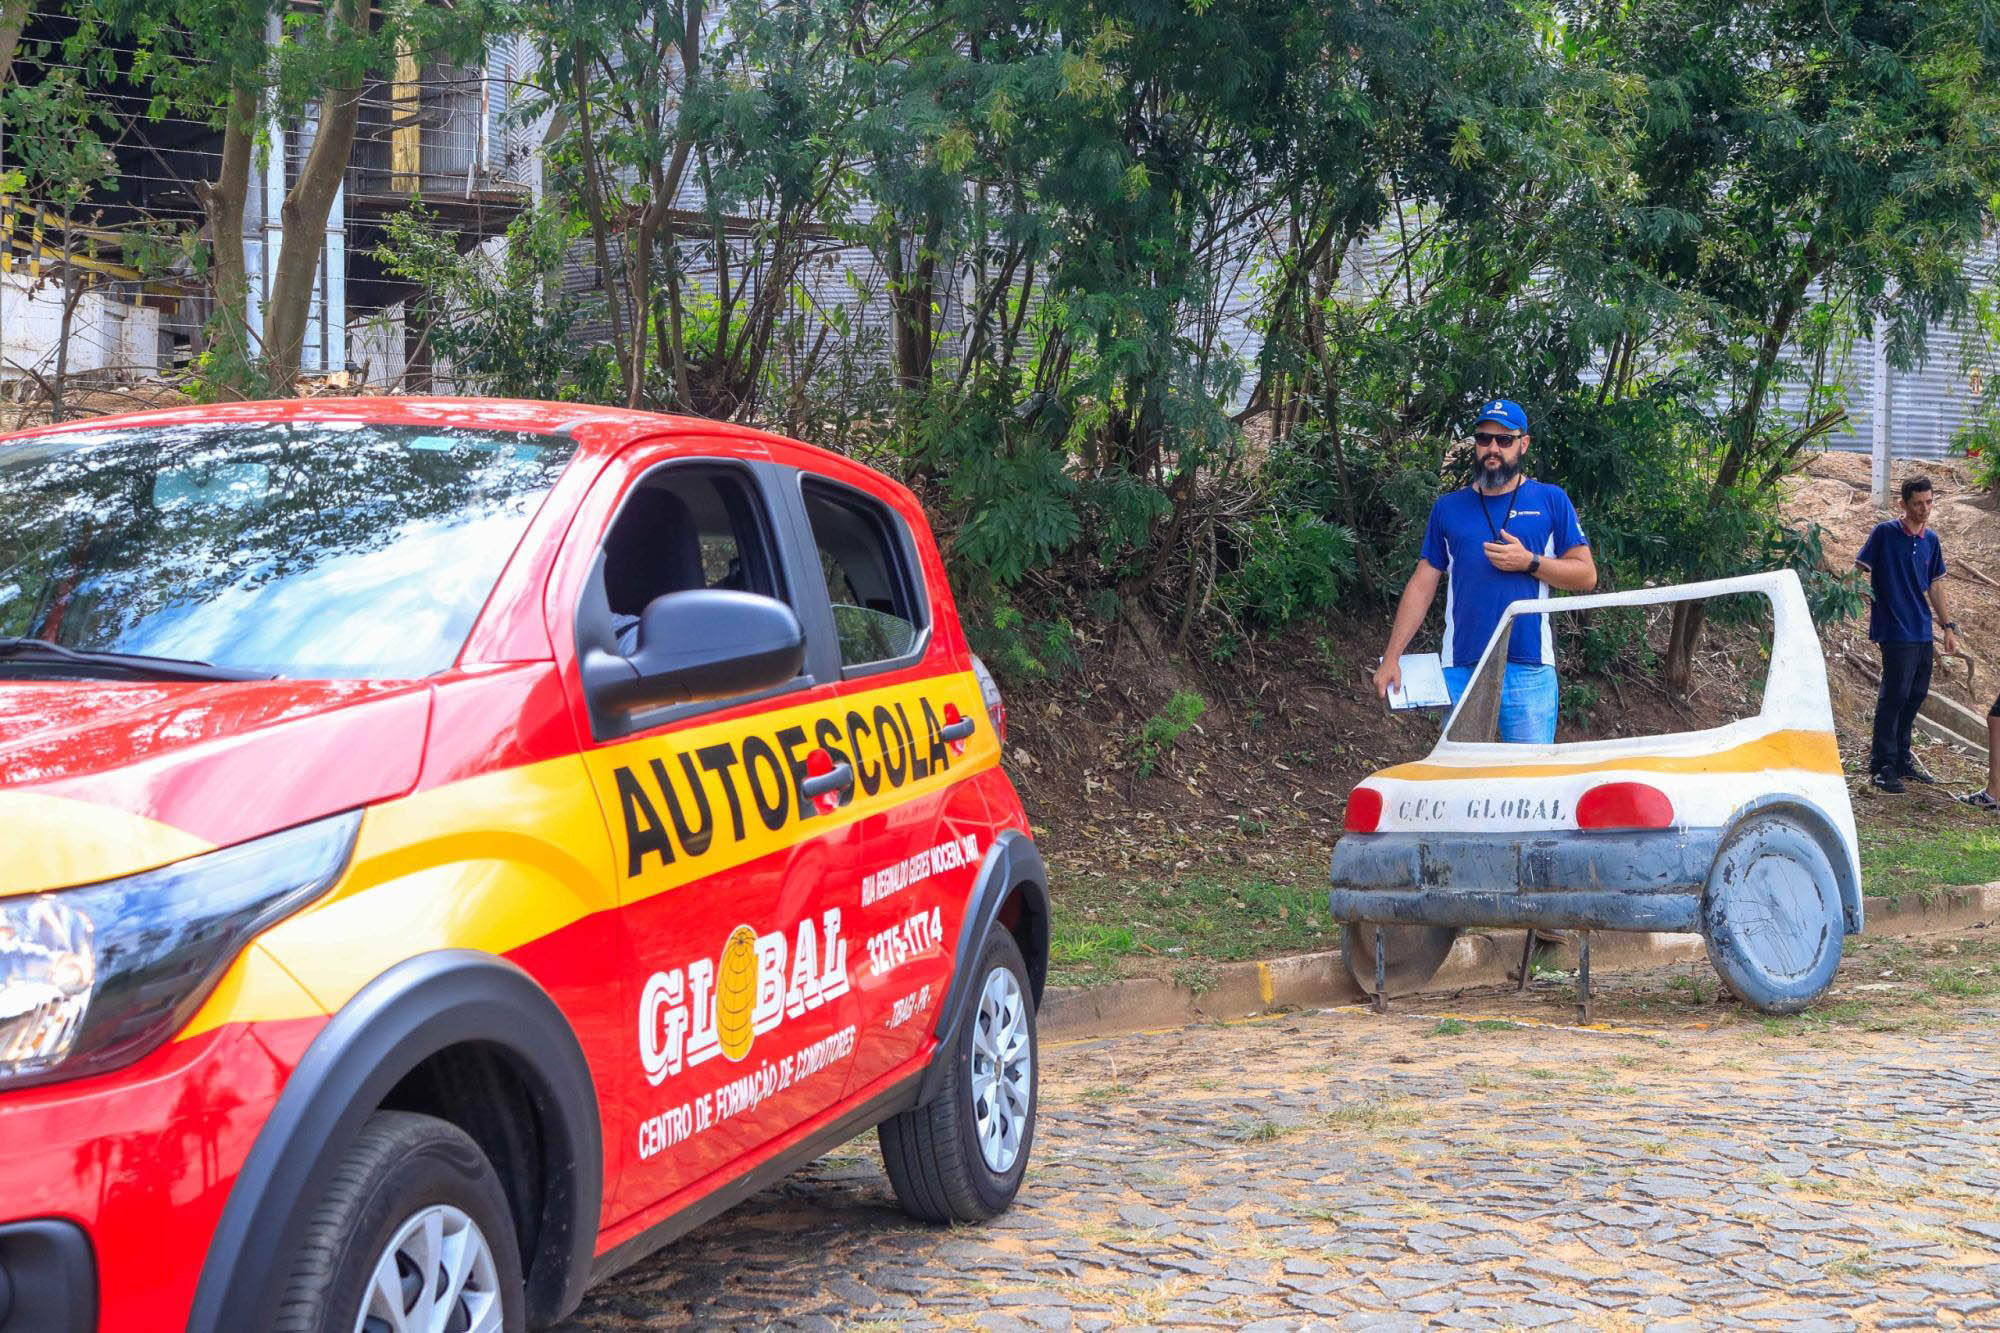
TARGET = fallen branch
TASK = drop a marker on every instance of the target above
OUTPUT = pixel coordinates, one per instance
(1976, 572)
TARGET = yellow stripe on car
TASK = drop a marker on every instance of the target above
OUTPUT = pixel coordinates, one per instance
(1807, 751)
(497, 861)
(54, 842)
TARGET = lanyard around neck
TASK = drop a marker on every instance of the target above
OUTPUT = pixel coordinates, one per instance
(1487, 514)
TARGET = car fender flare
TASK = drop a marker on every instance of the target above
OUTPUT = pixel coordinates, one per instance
(412, 1011)
(1825, 831)
(1012, 862)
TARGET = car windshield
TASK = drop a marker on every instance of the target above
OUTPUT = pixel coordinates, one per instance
(317, 549)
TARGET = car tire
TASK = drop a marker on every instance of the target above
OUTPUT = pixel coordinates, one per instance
(1411, 955)
(1772, 915)
(413, 1197)
(961, 1156)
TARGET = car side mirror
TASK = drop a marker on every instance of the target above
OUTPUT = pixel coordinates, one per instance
(708, 643)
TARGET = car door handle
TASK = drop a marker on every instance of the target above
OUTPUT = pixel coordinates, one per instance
(839, 778)
(959, 730)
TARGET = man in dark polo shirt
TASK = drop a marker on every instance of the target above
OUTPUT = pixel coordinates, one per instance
(1904, 560)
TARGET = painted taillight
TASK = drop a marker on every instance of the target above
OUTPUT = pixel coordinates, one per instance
(1364, 810)
(1614, 805)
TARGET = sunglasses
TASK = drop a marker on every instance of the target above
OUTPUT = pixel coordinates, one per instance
(1491, 437)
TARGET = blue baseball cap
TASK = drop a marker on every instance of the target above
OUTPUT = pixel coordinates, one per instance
(1507, 412)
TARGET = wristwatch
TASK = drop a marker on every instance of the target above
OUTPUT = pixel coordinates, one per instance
(1951, 625)
(1535, 563)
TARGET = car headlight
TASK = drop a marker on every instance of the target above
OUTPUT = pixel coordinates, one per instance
(94, 977)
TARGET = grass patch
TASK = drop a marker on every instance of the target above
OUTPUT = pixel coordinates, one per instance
(1450, 1027)
(1959, 981)
(1374, 1115)
(1264, 1131)
(1897, 863)
(1106, 929)
(1196, 975)
(1082, 952)
(1699, 990)
(1821, 1018)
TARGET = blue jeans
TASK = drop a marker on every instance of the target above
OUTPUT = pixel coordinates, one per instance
(1527, 701)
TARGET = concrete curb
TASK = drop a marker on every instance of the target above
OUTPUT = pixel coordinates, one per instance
(1239, 990)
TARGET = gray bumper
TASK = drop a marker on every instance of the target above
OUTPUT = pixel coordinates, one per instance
(1573, 881)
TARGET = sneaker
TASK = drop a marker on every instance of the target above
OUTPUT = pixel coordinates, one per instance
(1980, 800)
(1888, 781)
(1915, 772)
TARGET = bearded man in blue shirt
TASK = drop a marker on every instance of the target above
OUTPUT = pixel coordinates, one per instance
(1504, 538)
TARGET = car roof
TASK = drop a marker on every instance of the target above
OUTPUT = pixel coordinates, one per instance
(597, 431)
(611, 427)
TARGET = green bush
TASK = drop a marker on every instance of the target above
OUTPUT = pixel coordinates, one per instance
(1163, 730)
(1019, 650)
(1291, 566)
(1579, 698)
(1978, 443)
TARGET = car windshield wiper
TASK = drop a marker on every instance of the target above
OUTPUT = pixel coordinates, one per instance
(14, 648)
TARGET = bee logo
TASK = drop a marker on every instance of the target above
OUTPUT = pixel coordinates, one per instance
(719, 1006)
(736, 993)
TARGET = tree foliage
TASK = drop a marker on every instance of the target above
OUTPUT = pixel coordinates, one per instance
(1175, 313)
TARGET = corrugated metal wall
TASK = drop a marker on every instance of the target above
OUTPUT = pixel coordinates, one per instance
(1930, 401)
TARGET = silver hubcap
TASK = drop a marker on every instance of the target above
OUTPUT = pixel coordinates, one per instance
(435, 1276)
(1003, 1060)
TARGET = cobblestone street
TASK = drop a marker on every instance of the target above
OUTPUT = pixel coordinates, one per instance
(1691, 1166)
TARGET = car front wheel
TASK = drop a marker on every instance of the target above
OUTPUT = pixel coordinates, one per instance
(1772, 916)
(961, 1157)
(412, 1235)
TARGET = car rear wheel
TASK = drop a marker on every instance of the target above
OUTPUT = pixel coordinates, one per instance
(1412, 955)
(1772, 916)
(961, 1157)
(412, 1236)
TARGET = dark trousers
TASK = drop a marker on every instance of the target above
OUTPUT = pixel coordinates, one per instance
(1906, 679)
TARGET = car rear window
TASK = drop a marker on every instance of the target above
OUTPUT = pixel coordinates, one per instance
(876, 613)
(322, 549)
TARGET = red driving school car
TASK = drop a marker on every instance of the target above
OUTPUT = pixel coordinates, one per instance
(453, 847)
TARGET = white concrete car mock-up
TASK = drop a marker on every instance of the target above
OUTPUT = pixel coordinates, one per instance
(1743, 832)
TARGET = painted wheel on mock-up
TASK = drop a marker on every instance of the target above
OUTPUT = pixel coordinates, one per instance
(1412, 955)
(1772, 916)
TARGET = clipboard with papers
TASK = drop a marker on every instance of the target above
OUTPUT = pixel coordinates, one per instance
(1423, 683)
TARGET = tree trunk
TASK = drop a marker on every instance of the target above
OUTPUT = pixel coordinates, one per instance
(224, 202)
(1690, 616)
(72, 291)
(13, 15)
(305, 211)
(596, 207)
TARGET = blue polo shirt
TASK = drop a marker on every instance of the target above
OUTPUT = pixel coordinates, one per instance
(1475, 594)
(1902, 568)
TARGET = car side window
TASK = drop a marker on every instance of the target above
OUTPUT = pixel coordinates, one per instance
(876, 614)
(687, 528)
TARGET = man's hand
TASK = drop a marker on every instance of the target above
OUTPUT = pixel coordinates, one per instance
(1388, 676)
(1950, 642)
(1507, 554)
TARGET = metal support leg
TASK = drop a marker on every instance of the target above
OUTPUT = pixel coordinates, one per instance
(1381, 974)
(1583, 976)
(1527, 960)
